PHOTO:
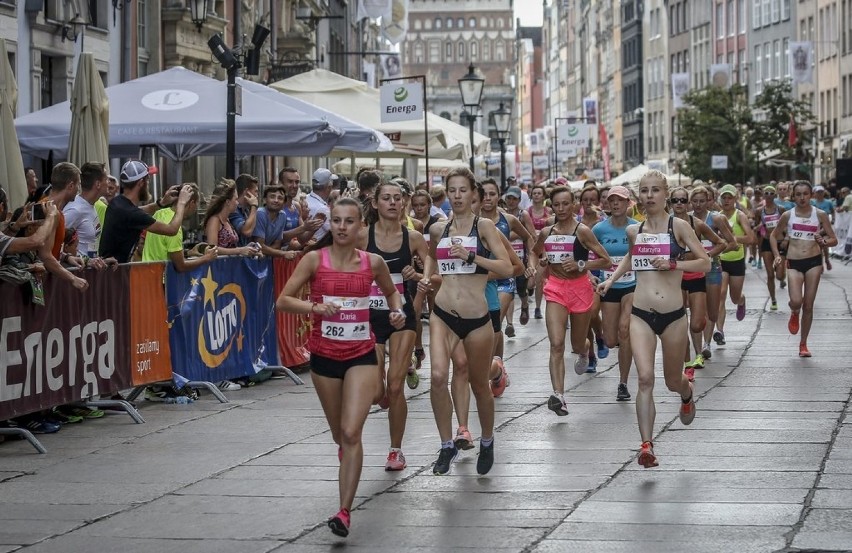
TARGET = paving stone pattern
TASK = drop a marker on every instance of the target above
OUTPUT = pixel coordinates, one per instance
(766, 466)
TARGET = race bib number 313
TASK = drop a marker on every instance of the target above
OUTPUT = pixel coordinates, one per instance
(351, 323)
(649, 247)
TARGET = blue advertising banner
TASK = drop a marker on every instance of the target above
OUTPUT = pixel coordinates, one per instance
(221, 319)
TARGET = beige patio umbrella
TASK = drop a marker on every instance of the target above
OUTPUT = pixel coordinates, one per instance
(89, 140)
(12, 177)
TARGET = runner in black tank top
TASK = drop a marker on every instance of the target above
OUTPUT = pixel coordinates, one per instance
(397, 245)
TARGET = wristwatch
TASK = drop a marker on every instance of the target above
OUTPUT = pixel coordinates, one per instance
(581, 265)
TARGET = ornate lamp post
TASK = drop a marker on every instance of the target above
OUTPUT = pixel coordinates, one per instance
(502, 123)
(471, 86)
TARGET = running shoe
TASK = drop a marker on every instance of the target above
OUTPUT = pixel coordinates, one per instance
(498, 385)
(396, 461)
(537, 313)
(603, 351)
(412, 379)
(719, 338)
(486, 458)
(510, 331)
(420, 354)
(803, 350)
(37, 425)
(58, 416)
(445, 460)
(706, 353)
(593, 365)
(646, 455)
(525, 316)
(463, 440)
(783, 283)
(623, 393)
(741, 309)
(827, 265)
(773, 306)
(340, 522)
(556, 403)
(698, 362)
(81, 411)
(687, 410)
(793, 323)
(759, 264)
(690, 373)
(751, 261)
(581, 363)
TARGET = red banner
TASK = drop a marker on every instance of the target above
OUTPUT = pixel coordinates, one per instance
(293, 330)
(604, 151)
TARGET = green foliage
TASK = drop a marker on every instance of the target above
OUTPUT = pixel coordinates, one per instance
(718, 121)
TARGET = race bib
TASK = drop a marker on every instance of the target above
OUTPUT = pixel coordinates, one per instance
(559, 248)
(649, 247)
(448, 265)
(771, 221)
(628, 277)
(708, 245)
(518, 246)
(803, 229)
(378, 299)
(351, 323)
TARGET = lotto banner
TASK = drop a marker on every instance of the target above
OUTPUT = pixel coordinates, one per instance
(221, 318)
(74, 347)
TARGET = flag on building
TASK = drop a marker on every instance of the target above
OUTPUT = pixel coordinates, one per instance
(792, 134)
(802, 61)
(604, 150)
(680, 86)
(720, 75)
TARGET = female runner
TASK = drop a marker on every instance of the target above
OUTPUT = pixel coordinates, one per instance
(397, 245)
(591, 213)
(809, 231)
(421, 203)
(701, 199)
(656, 246)
(568, 289)
(616, 304)
(342, 345)
(463, 250)
(733, 262)
(694, 284)
(768, 214)
(540, 214)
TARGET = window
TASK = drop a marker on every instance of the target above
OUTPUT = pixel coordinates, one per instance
(141, 24)
(418, 52)
(460, 50)
(767, 61)
(434, 51)
(448, 50)
(776, 11)
(449, 23)
(741, 65)
(776, 48)
(460, 22)
(417, 24)
(785, 59)
(499, 51)
(428, 24)
(486, 50)
(438, 23)
(483, 22)
(755, 14)
(474, 50)
(785, 10)
(741, 16)
(732, 29)
(765, 13)
(471, 22)
(720, 21)
(758, 69)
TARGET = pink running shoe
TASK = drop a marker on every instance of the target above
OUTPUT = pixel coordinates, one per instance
(396, 461)
(340, 522)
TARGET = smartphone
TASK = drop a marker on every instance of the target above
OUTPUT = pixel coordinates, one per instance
(202, 247)
(342, 184)
(37, 212)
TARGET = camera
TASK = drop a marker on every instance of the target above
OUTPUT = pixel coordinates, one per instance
(36, 212)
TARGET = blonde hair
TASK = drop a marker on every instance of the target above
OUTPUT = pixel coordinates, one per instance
(700, 189)
(654, 174)
(677, 189)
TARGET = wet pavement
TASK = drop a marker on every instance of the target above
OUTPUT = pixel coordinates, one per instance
(765, 466)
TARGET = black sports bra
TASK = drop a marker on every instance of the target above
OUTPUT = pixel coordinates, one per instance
(581, 252)
(481, 250)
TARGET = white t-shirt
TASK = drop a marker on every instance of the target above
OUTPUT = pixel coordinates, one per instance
(81, 215)
(525, 202)
(437, 211)
(316, 205)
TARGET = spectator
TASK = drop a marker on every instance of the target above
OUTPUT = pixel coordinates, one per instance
(109, 194)
(32, 180)
(170, 248)
(244, 218)
(277, 225)
(296, 205)
(217, 225)
(80, 213)
(318, 200)
(821, 202)
(13, 244)
(440, 203)
(368, 180)
(125, 220)
(844, 200)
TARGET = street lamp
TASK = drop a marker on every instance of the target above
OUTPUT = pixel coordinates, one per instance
(198, 12)
(471, 87)
(502, 123)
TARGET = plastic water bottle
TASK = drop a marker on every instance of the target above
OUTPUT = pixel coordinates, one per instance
(180, 400)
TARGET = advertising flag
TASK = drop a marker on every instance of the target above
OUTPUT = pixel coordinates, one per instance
(802, 61)
(401, 102)
(680, 86)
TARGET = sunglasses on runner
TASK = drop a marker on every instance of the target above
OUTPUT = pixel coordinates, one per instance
(679, 200)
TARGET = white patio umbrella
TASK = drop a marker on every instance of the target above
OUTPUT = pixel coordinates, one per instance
(12, 177)
(89, 139)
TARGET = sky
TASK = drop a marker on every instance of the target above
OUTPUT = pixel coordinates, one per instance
(529, 12)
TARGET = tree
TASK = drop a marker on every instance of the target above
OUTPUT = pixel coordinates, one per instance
(772, 131)
(716, 121)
